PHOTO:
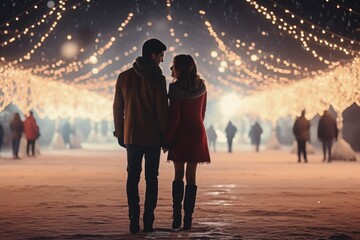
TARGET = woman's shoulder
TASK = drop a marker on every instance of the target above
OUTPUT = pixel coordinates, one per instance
(177, 92)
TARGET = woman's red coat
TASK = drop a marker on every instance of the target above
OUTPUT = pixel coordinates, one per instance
(185, 131)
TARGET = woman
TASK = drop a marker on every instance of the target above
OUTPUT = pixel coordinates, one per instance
(185, 136)
(17, 128)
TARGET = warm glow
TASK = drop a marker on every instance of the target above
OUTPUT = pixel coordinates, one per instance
(69, 49)
(229, 105)
(254, 58)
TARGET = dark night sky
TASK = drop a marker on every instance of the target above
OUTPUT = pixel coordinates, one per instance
(236, 18)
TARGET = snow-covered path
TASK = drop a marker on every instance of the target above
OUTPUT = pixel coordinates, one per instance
(80, 194)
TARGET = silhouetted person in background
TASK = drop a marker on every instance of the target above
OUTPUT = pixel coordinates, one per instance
(66, 131)
(255, 135)
(327, 132)
(186, 135)
(301, 132)
(140, 116)
(31, 130)
(230, 134)
(1, 137)
(212, 136)
(17, 128)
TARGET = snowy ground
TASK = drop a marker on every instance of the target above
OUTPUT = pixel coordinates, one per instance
(80, 194)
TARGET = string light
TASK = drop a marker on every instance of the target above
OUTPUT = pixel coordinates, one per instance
(263, 10)
(51, 99)
(350, 10)
(36, 46)
(56, 99)
(341, 91)
(168, 6)
(75, 66)
(17, 17)
(28, 30)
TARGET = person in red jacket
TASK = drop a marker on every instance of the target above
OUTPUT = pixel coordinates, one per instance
(31, 130)
(185, 135)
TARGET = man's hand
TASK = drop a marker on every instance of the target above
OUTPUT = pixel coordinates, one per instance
(121, 142)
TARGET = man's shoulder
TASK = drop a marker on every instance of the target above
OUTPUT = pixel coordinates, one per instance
(127, 72)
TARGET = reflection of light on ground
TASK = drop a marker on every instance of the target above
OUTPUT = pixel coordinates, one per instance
(225, 186)
(220, 202)
(216, 193)
(219, 223)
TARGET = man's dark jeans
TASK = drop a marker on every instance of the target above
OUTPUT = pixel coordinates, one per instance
(15, 147)
(135, 155)
(30, 144)
(327, 148)
(301, 149)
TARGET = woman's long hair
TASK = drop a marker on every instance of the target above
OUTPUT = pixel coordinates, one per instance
(187, 78)
(16, 120)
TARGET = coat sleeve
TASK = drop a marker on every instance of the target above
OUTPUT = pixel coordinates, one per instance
(295, 128)
(320, 129)
(118, 110)
(204, 106)
(162, 107)
(173, 120)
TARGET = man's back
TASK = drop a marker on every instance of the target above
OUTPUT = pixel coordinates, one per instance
(301, 129)
(230, 130)
(327, 129)
(143, 109)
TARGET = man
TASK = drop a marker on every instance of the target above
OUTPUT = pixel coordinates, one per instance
(256, 132)
(31, 130)
(140, 115)
(230, 134)
(212, 136)
(301, 132)
(327, 132)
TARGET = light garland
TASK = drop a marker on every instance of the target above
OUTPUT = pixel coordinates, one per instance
(36, 46)
(231, 56)
(75, 66)
(29, 29)
(50, 98)
(275, 100)
(339, 88)
(350, 10)
(17, 18)
(314, 26)
(301, 35)
(168, 6)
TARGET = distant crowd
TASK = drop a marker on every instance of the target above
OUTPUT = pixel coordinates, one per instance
(28, 127)
(327, 132)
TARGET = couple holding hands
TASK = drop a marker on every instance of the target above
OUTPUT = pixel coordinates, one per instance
(145, 122)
